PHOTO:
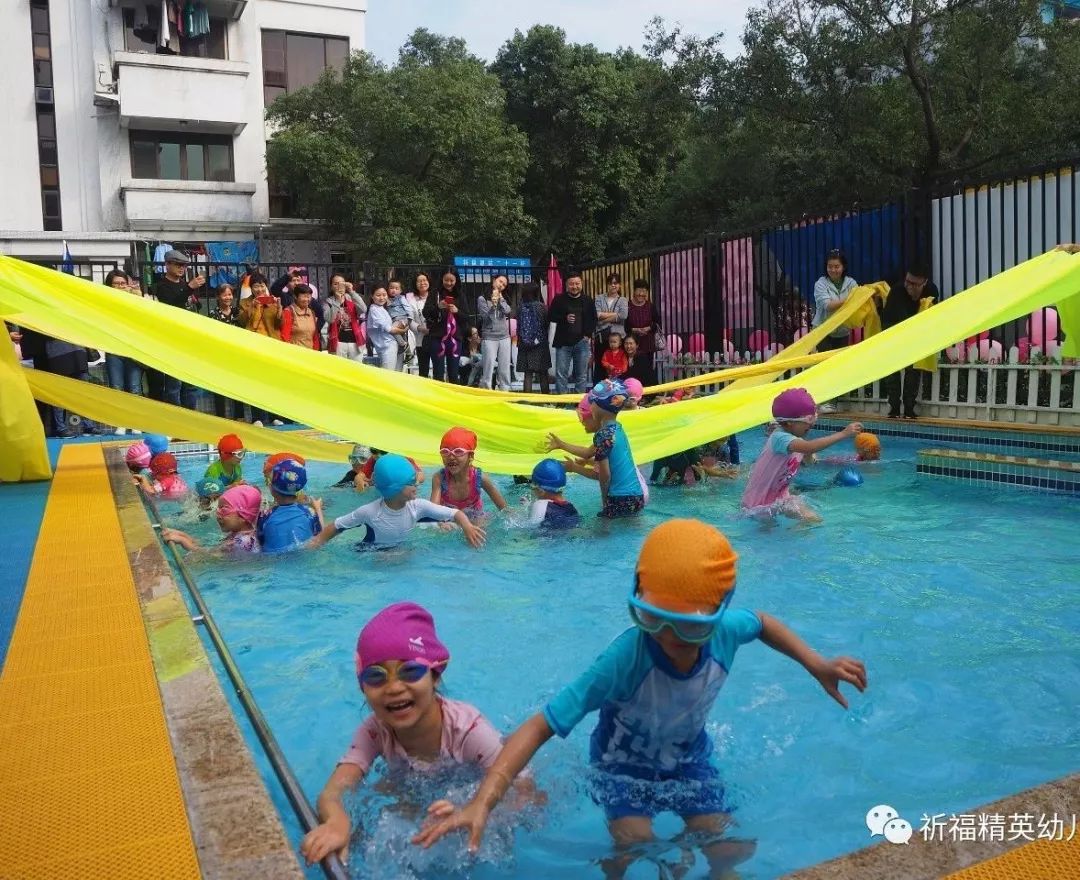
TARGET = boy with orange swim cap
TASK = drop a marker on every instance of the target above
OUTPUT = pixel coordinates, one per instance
(654, 687)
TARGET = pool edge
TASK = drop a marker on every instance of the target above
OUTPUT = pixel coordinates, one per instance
(236, 827)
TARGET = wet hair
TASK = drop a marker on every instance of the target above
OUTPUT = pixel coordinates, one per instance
(114, 274)
(835, 254)
(530, 292)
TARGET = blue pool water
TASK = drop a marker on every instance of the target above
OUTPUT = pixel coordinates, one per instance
(960, 599)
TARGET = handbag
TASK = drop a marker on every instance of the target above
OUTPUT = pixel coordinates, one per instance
(659, 339)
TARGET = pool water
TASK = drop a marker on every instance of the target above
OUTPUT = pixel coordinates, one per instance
(960, 599)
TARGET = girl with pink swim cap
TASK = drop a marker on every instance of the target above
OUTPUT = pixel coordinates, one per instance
(237, 510)
(767, 493)
(399, 663)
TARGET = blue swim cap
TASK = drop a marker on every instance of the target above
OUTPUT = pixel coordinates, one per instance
(208, 487)
(610, 395)
(848, 476)
(392, 474)
(549, 475)
(288, 477)
(156, 443)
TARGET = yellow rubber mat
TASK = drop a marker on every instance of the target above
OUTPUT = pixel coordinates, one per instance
(88, 784)
(1041, 860)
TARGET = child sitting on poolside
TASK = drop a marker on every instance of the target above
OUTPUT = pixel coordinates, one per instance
(226, 470)
(654, 687)
(164, 481)
(237, 512)
(550, 510)
(621, 492)
(458, 484)
(388, 521)
(289, 524)
(767, 492)
(399, 665)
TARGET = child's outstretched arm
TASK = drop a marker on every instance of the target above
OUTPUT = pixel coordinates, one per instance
(516, 753)
(493, 492)
(554, 442)
(828, 672)
(473, 534)
(316, 505)
(175, 536)
(811, 446)
(332, 835)
(328, 531)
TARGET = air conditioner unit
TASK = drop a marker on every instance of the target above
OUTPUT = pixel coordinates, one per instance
(43, 94)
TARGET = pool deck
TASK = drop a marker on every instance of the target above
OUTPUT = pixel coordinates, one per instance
(120, 757)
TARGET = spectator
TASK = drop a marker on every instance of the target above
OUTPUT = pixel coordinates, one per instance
(904, 300)
(227, 313)
(284, 288)
(472, 360)
(448, 323)
(534, 357)
(379, 326)
(574, 317)
(298, 324)
(63, 359)
(830, 292)
(345, 335)
(643, 323)
(638, 367)
(261, 313)
(123, 373)
(174, 290)
(494, 312)
(611, 311)
(418, 305)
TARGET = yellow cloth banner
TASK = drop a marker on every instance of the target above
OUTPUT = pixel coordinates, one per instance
(409, 415)
(23, 454)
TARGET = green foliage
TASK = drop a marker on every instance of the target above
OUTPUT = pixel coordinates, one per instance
(411, 162)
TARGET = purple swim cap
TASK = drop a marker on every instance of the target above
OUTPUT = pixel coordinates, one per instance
(793, 404)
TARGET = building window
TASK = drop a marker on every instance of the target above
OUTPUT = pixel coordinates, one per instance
(142, 32)
(48, 161)
(293, 61)
(166, 155)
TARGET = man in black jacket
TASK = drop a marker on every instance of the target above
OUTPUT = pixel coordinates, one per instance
(173, 289)
(574, 316)
(904, 300)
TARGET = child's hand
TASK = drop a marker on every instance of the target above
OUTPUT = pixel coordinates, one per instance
(472, 818)
(831, 672)
(316, 504)
(475, 535)
(553, 442)
(439, 810)
(171, 536)
(323, 840)
(361, 482)
(854, 428)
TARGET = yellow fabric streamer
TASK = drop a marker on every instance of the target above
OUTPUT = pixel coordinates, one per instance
(23, 454)
(408, 414)
(866, 315)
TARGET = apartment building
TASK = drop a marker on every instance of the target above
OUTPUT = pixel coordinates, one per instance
(134, 122)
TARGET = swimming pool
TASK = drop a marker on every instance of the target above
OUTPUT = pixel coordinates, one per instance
(959, 599)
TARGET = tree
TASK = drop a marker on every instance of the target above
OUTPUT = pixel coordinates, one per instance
(412, 162)
(603, 132)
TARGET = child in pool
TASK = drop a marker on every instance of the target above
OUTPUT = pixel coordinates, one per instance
(164, 481)
(621, 492)
(271, 460)
(237, 512)
(352, 478)
(636, 390)
(399, 664)
(289, 524)
(157, 443)
(671, 470)
(227, 471)
(367, 469)
(550, 510)
(388, 521)
(654, 687)
(137, 458)
(767, 490)
(458, 484)
(208, 491)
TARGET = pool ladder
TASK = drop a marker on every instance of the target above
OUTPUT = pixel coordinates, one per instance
(331, 865)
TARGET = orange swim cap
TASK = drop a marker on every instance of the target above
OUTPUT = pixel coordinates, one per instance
(865, 442)
(272, 460)
(685, 560)
(459, 437)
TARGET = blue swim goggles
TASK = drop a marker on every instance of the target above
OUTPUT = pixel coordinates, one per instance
(693, 628)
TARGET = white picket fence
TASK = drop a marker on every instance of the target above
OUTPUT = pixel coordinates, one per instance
(1037, 394)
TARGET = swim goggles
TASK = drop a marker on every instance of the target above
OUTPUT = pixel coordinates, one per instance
(693, 628)
(409, 672)
(456, 452)
(239, 454)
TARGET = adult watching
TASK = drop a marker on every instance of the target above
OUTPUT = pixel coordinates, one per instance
(494, 312)
(174, 289)
(830, 292)
(573, 315)
(643, 322)
(611, 311)
(905, 300)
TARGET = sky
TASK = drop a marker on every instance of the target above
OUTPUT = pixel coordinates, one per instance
(487, 24)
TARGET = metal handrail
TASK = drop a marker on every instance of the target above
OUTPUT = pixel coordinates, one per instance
(331, 865)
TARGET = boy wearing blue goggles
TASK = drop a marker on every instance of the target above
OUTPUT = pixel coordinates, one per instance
(654, 688)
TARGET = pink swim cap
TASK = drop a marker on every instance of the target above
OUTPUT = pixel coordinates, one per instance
(795, 403)
(244, 501)
(584, 407)
(138, 454)
(635, 388)
(403, 631)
